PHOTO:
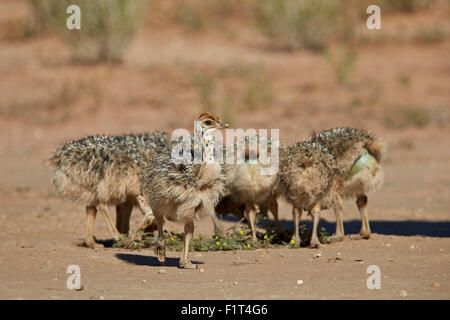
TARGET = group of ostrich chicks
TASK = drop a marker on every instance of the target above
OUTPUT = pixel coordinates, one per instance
(137, 170)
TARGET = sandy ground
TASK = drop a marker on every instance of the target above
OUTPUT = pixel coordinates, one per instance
(410, 217)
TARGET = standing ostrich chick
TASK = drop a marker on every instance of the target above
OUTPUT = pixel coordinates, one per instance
(105, 170)
(307, 178)
(249, 187)
(358, 156)
(185, 191)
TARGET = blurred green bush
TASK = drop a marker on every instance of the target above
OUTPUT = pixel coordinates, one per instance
(300, 23)
(107, 26)
(404, 5)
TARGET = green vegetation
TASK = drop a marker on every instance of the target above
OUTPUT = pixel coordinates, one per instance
(41, 10)
(205, 85)
(189, 16)
(429, 35)
(107, 26)
(343, 63)
(404, 5)
(233, 86)
(237, 238)
(258, 93)
(404, 80)
(407, 117)
(299, 23)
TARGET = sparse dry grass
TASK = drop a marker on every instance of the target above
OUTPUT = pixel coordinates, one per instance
(42, 10)
(298, 24)
(343, 63)
(403, 117)
(60, 104)
(107, 26)
(404, 5)
(232, 87)
(196, 16)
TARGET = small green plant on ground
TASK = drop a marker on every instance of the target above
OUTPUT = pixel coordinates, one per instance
(430, 34)
(236, 238)
(259, 92)
(189, 16)
(402, 118)
(404, 80)
(205, 85)
(343, 63)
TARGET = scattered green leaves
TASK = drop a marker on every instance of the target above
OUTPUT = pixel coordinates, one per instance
(236, 238)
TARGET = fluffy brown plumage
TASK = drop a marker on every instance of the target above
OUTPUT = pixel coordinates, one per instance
(184, 191)
(358, 156)
(181, 184)
(98, 171)
(226, 206)
(306, 178)
(248, 187)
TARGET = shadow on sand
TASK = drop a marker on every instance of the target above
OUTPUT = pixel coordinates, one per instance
(144, 260)
(398, 228)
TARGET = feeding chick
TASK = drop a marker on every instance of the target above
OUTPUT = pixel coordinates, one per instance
(99, 171)
(358, 155)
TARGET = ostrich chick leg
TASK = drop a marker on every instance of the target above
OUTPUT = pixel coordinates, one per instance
(91, 212)
(250, 214)
(315, 243)
(338, 210)
(185, 263)
(104, 211)
(296, 215)
(361, 202)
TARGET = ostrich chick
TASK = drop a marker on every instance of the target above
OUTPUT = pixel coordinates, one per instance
(307, 178)
(184, 191)
(358, 156)
(104, 170)
(249, 187)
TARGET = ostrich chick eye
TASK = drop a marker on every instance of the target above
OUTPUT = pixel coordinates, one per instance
(208, 122)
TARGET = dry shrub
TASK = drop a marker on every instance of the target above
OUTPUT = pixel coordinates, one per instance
(107, 26)
(404, 5)
(298, 24)
(41, 10)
